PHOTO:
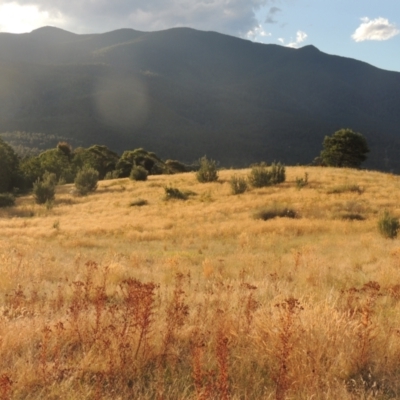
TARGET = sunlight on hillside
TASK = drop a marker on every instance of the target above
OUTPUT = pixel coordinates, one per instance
(103, 299)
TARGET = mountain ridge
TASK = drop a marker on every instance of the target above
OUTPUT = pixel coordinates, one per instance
(184, 93)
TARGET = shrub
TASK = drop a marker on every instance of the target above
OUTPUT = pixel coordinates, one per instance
(238, 184)
(44, 189)
(348, 188)
(6, 200)
(208, 171)
(261, 175)
(111, 175)
(388, 225)
(275, 212)
(86, 181)
(138, 173)
(301, 182)
(174, 193)
(351, 216)
(174, 166)
(138, 203)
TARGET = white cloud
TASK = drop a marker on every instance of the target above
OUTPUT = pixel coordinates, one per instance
(15, 18)
(300, 38)
(376, 29)
(257, 33)
(235, 17)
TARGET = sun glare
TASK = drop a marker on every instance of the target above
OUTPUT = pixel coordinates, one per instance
(19, 19)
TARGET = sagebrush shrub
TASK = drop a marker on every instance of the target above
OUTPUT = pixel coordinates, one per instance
(44, 189)
(275, 211)
(238, 184)
(86, 181)
(388, 225)
(261, 176)
(7, 200)
(208, 171)
(174, 193)
(347, 188)
(138, 203)
(111, 175)
(301, 182)
(138, 173)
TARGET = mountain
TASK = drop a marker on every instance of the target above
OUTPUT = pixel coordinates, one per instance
(184, 93)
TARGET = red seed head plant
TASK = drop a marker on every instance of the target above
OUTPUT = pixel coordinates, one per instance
(6, 384)
(197, 349)
(362, 310)
(176, 313)
(361, 306)
(289, 310)
(222, 355)
(137, 317)
(250, 304)
(44, 353)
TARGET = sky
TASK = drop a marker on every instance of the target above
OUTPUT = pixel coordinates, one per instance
(367, 30)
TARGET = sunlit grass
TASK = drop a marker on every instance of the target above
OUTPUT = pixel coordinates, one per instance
(234, 307)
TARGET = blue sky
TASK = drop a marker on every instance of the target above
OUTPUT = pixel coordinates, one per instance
(367, 30)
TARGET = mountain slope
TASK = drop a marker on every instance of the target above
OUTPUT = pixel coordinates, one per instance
(183, 93)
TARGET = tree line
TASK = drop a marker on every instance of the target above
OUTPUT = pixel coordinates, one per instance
(345, 148)
(65, 163)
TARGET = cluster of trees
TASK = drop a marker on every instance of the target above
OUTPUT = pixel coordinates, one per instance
(345, 148)
(65, 164)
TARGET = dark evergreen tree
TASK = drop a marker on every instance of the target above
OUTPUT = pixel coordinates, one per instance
(345, 148)
(9, 167)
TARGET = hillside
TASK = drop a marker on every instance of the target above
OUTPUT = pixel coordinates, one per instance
(106, 295)
(184, 93)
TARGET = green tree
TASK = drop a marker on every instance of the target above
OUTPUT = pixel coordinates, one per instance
(139, 173)
(44, 189)
(208, 171)
(55, 161)
(345, 148)
(86, 180)
(102, 159)
(140, 157)
(9, 167)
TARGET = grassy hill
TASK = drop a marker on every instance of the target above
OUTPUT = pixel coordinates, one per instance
(184, 93)
(192, 299)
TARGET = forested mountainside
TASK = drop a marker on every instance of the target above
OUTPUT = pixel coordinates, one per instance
(184, 93)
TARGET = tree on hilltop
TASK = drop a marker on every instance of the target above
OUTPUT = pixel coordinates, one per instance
(345, 148)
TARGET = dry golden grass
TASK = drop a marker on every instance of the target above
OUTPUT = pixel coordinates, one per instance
(196, 299)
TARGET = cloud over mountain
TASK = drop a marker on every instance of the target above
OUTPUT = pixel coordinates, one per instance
(376, 29)
(235, 17)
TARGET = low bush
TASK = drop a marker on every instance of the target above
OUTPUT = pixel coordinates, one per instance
(261, 175)
(275, 212)
(208, 171)
(301, 182)
(138, 173)
(388, 225)
(111, 175)
(44, 189)
(138, 203)
(174, 193)
(346, 189)
(351, 216)
(86, 181)
(175, 166)
(7, 200)
(238, 184)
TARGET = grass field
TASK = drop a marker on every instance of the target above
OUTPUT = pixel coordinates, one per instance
(124, 295)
